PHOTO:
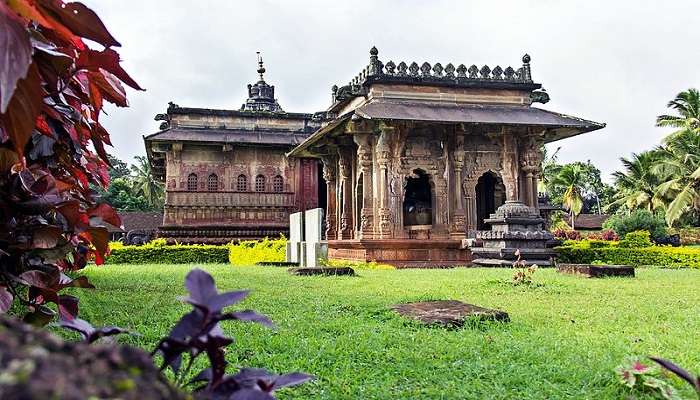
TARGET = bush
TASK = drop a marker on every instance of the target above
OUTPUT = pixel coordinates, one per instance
(637, 239)
(566, 234)
(638, 220)
(253, 251)
(665, 256)
(158, 252)
(606, 234)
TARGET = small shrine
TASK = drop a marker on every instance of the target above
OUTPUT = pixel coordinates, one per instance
(417, 158)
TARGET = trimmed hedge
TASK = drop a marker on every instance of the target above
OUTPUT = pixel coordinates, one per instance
(664, 256)
(254, 251)
(158, 252)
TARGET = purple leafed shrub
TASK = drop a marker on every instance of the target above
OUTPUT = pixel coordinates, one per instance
(199, 332)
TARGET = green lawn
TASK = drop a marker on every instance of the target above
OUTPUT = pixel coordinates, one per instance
(564, 340)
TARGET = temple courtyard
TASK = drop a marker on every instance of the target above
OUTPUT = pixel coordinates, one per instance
(565, 337)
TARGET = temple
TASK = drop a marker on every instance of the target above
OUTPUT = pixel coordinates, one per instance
(421, 165)
(418, 159)
(225, 172)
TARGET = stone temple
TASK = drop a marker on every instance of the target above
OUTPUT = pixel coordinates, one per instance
(417, 162)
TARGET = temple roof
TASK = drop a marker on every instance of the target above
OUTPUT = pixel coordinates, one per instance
(228, 136)
(476, 114)
(261, 96)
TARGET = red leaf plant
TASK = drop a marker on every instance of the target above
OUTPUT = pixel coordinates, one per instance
(52, 150)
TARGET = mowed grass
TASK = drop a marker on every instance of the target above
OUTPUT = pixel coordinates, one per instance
(564, 340)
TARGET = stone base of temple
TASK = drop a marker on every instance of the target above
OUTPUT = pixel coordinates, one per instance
(402, 253)
(218, 234)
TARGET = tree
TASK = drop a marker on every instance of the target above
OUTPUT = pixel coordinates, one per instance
(145, 184)
(680, 158)
(571, 178)
(637, 184)
(52, 150)
(687, 104)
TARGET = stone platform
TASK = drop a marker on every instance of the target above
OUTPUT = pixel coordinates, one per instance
(451, 313)
(402, 253)
(596, 271)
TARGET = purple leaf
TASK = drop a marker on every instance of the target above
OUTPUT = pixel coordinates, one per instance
(105, 331)
(250, 394)
(200, 285)
(5, 299)
(291, 379)
(248, 316)
(84, 328)
(67, 307)
(203, 376)
(251, 377)
(222, 300)
(189, 325)
(680, 372)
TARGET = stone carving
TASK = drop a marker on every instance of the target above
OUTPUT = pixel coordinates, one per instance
(449, 70)
(413, 69)
(539, 96)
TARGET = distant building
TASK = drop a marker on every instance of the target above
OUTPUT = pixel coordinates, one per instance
(225, 171)
(589, 222)
(138, 223)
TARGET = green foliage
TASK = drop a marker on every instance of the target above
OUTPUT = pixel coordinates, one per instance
(563, 181)
(664, 256)
(638, 220)
(637, 239)
(158, 252)
(132, 188)
(121, 196)
(249, 252)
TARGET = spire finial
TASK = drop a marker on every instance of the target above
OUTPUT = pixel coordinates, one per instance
(261, 68)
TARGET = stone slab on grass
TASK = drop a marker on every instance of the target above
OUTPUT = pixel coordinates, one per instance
(307, 271)
(596, 271)
(277, 264)
(451, 313)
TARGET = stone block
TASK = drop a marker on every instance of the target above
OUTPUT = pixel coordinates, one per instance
(315, 253)
(450, 313)
(304, 271)
(313, 225)
(295, 252)
(596, 271)
(296, 227)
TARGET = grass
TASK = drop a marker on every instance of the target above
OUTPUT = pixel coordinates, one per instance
(564, 340)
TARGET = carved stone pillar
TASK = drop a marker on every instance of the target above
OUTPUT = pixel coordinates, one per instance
(527, 187)
(383, 152)
(345, 176)
(470, 209)
(458, 227)
(329, 174)
(364, 155)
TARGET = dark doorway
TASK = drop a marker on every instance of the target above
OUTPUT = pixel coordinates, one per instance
(359, 198)
(490, 194)
(418, 200)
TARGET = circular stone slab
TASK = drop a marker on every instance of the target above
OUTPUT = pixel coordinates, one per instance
(306, 271)
(448, 312)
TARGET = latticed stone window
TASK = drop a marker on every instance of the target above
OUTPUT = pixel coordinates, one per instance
(242, 183)
(277, 184)
(259, 183)
(192, 182)
(213, 183)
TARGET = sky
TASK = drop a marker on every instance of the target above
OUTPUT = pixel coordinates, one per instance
(617, 62)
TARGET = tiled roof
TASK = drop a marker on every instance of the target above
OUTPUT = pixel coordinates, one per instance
(139, 220)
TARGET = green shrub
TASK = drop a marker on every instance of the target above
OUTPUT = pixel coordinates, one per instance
(158, 252)
(665, 256)
(637, 239)
(254, 251)
(638, 220)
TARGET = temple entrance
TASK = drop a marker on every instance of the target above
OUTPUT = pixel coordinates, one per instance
(418, 200)
(490, 194)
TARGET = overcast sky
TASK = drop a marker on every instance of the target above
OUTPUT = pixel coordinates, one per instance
(617, 62)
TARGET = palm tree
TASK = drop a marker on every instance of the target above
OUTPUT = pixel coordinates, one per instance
(687, 104)
(145, 184)
(637, 184)
(680, 158)
(571, 178)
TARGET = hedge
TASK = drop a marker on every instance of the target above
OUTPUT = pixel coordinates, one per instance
(157, 252)
(255, 251)
(665, 256)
